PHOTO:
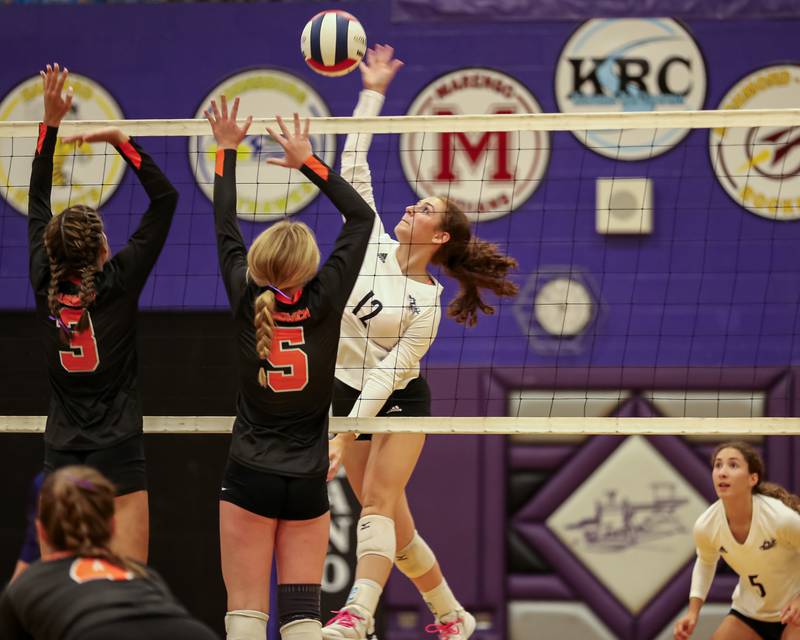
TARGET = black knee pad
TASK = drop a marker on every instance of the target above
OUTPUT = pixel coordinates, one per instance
(298, 602)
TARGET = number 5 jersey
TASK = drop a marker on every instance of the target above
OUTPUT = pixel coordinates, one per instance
(768, 562)
(283, 428)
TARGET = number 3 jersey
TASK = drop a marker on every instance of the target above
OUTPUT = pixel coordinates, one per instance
(768, 562)
(390, 320)
(283, 428)
(94, 399)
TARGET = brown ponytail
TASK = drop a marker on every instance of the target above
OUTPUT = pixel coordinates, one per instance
(475, 263)
(755, 464)
(76, 507)
(74, 242)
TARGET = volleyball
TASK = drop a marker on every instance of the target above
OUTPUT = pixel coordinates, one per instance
(333, 43)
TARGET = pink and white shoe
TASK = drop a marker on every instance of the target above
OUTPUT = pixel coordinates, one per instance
(349, 623)
(458, 625)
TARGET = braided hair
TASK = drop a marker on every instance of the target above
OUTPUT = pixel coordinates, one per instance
(475, 263)
(284, 256)
(76, 507)
(74, 242)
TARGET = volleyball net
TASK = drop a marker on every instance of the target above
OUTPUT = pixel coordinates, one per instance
(658, 274)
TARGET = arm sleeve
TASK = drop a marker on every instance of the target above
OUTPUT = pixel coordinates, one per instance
(10, 625)
(139, 255)
(406, 354)
(231, 249)
(355, 168)
(790, 530)
(39, 212)
(338, 275)
(705, 567)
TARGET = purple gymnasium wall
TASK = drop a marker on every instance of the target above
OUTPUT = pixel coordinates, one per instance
(708, 300)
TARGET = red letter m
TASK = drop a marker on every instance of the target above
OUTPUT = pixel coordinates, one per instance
(474, 152)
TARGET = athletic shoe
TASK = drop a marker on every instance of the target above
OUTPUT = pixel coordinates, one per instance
(458, 625)
(349, 623)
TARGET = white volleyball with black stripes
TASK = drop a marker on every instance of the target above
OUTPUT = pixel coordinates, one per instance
(333, 43)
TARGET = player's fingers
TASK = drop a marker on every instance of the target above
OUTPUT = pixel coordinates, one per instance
(297, 127)
(235, 109)
(68, 100)
(247, 124)
(215, 110)
(224, 101)
(306, 127)
(282, 125)
(278, 162)
(276, 137)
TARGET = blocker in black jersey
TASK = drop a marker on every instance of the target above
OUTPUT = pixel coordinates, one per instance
(94, 400)
(65, 599)
(283, 428)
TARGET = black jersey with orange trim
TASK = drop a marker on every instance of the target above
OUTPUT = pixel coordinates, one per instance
(94, 400)
(64, 599)
(283, 428)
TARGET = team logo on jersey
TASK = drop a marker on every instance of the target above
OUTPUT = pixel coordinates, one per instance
(759, 167)
(631, 64)
(768, 544)
(88, 174)
(487, 174)
(265, 192)
(412, 305)
(87, 569)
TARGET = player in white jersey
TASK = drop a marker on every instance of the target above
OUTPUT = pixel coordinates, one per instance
(755, 527)
(389, 323)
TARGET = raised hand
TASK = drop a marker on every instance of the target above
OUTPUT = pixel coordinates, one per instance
(227, 132)
(112, 135)
(296, 147)
(379, 68)
(56, 106)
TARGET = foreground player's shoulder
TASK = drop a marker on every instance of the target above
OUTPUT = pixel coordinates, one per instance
(707, 524)
(781, 517)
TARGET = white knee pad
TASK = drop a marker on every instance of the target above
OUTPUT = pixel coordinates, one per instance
(245, 624)
(416, 559)
(376, 537)
(302, 630)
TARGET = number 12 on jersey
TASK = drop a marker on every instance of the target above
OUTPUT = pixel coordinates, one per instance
(290, 362)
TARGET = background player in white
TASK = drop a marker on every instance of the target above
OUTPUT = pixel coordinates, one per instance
(389, 323)
(755, 527)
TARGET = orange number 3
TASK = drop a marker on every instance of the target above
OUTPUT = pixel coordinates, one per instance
(82, 356)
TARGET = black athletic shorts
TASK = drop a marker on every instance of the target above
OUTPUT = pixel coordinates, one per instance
(274, 496)
(414, 401)
(767, 630)
(122, 463)
(155, 628)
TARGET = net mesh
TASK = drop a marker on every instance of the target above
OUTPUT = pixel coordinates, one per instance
(657, 278)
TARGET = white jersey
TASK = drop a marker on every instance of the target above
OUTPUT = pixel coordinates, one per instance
(768, 562)
(390, 320)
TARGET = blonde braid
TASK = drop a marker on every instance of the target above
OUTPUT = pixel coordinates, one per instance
(265, 325)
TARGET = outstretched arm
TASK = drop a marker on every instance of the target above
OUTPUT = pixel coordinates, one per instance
(135, 261)
(56, 106)
(338, 275)
(377, 72)
(230, 244)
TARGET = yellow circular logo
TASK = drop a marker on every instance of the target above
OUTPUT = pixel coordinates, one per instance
(265, 192)
(86, 175)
